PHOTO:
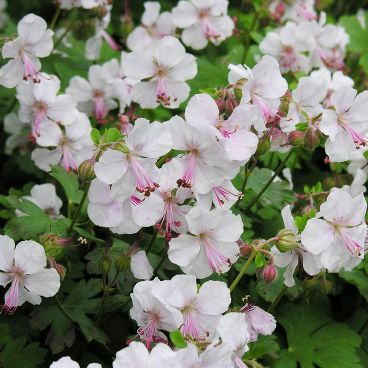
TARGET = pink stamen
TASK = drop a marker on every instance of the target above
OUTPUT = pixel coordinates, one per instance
(358, 139)
(225, 194)
(266, 111)
(171, 210)
(161, 92)
(187, 180)
(352, 245)
(112, 43)
(287, 59)
(208, 30)
(148, 331)
(100, 108)
(216, 260)
(135, 200)
(68, 160)
(191, 327)
(144, 183)
(12, 297)
(39, 118)
(30, 70)
(333, 59)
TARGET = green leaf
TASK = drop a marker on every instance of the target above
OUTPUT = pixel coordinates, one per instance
(358, 277)
(80, 302)
(70, 183)
(177, 339)
(259, 260)
(34, 221)
(358, 35)
(112, 135)
(95, 136)
(61, 332)
(277, 194)
(314, 340)
(265, 345)
(16, 353)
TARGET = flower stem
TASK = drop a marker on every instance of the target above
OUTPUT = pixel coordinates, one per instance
(277, 172)
(249, 262)
(80, 205)
(55, 18)
(67, 30)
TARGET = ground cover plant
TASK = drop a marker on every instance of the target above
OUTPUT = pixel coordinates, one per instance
(183, 184)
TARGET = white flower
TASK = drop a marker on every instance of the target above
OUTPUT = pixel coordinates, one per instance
(290, 259)
(94, 96)
(67, 362)
(122, 216)
(23, 266)
(233, 133)
(305, 102)
(212, 247)
(213, 357)
(206, 163)
(140, 266)
(258, 321)
(154, 26)
(70, 145)
(121, 86)
(15, 128)
(133, 170)
(94, 43)
(68, 4)
(340, 236)
(200, 309)
(263, 88)
(287, 47)
(45, 197)
(34, 41)
(162, 69)
(136, 355)
(346, 125)
(232, 330)
(203, 21)
(41, 103)
(151, 315)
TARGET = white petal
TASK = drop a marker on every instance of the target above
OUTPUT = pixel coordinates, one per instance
(44, 283)
(7, 246)
(29, 256)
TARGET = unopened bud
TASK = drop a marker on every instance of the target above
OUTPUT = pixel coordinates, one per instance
(60, 269)
(264, 145)
(286, 241)
(86, 170)
(245, 249)
(105, 264)
(238, 93)
(311, 139)
(122, 263)
(296, 138)
(269, 273)
(54, 244)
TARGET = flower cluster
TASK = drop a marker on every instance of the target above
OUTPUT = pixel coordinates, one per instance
(305, 41)
(174, 193)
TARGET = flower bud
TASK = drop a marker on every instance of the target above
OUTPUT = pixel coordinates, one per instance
(105, 264)
(269, 273)
(54, 245)
(286, 241)
(264, 145)
(296, 138)
(238, 93)
(86, 170)
(60, 269)
(245, 249)
(122, 263)
(311, 139)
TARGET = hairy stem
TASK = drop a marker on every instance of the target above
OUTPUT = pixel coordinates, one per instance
(80, 205)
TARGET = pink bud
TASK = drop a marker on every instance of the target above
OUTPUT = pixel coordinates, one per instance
(269, 273)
